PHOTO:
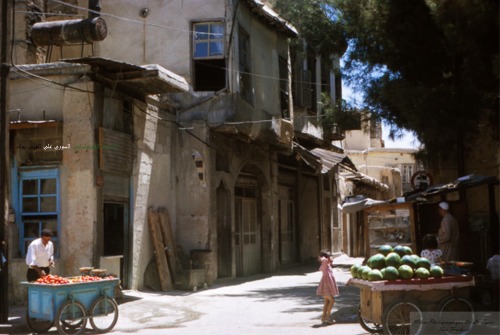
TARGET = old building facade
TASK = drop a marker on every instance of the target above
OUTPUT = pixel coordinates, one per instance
(194, 113)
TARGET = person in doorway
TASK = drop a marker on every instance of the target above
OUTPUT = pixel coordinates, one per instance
(327, 287)
(448, 234)
(493, 266)
(493, 282)
(430, 249)
(40, 256)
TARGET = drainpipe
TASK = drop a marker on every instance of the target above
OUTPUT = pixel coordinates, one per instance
(4, 68)
(319, 104)
(333, 81)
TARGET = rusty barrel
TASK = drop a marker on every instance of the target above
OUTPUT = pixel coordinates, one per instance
(69, 31)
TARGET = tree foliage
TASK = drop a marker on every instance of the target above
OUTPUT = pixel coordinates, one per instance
(429, 66)
(317, 23)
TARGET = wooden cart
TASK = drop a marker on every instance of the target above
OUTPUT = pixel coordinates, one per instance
(398, 306)
(69, 306)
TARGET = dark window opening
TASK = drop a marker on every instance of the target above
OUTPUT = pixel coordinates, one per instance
(246, 89)
(284, 99)
(209, 74)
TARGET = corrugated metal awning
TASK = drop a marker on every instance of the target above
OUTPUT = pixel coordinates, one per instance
(142, 80)
(322, 160)
(330, 159)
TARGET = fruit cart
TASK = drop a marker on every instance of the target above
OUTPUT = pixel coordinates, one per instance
(401, 306)
(70, 305)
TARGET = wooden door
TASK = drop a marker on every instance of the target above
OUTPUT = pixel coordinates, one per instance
(287, 225)
(247, 232)
(224, 250)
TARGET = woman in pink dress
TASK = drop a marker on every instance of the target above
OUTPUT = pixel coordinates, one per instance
(327, 287)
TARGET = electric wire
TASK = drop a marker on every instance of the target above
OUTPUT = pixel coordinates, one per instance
(202, 123)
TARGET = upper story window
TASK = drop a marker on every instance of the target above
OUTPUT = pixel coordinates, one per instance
(284, 96)
(406, 173)
(375, 129)
(246, 90)
(209, 63)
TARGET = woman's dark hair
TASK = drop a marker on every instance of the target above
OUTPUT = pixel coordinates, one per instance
(429, 242)
(325, 253)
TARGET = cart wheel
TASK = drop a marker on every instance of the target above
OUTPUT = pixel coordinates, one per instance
(70, 318)
(458, 311)
(367, 325)
(38, 325)
(396, 319)
(103, 314)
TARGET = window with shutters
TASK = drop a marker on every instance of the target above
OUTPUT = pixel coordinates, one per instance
(38, 206)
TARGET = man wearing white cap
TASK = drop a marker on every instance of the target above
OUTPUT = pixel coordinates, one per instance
(448, 234)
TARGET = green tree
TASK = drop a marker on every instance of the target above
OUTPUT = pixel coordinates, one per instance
(430, 66)
(317, 23)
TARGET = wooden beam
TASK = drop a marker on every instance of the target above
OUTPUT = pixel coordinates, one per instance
(159, 248)
(38, 124)
(168, 240)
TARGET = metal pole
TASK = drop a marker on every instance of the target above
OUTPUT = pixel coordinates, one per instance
(4, 292)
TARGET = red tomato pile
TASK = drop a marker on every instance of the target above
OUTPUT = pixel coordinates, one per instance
(52, 279)
(85, 279)
(57, 280)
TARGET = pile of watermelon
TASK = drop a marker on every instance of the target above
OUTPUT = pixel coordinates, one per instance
(399, 262)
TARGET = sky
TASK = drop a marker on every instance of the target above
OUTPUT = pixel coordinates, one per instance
(408, 141)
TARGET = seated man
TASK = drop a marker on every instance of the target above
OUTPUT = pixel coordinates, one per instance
(493, 267)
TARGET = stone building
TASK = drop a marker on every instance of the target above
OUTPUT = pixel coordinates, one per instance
(121, 106)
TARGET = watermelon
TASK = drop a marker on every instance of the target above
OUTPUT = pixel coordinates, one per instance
(422, 273)
(354, 270)
(376, 261)
(375, 275)
(385, 249)
(400, 250)
(390, 273)
(408, 250)
(424, 263)
(436, 271)
(365, 272)
(360, 271)
(393, 259)
(405, 272)
(408, 260)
